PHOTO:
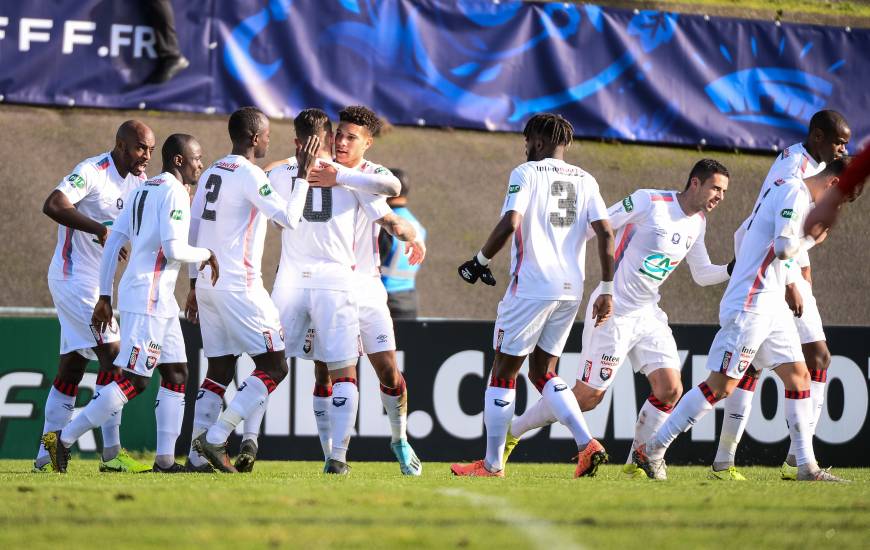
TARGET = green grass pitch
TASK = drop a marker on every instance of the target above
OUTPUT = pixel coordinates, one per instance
(292, 505)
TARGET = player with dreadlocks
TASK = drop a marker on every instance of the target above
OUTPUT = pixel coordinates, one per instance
(550, 205)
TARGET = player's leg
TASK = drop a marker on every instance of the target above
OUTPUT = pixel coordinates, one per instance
(169, 405)
(738, 407)
(343, 407)
(107, 373)
(379, 342)
(321, 404)
(666, 391)
(61, 400)
(818, 359)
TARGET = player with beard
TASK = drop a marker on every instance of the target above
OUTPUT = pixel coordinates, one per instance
(156, 223)
(85, 205)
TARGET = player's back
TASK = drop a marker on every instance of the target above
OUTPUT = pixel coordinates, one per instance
(319, 253)
(230, 224)
(758, 280)
(148, 283)
(557, 202)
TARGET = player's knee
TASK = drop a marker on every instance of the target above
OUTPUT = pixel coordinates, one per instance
(139, 382)
(669, 394)
(279, 371)
(321, 374)
(589, 400)
(821, 359)
(174, 373)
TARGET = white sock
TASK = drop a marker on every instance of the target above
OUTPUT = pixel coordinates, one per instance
(59, 408)
(253, 393)
(694, 405)
(395, 401)
(253, 423)
(652, 415)
(536, 416)
(321, 404)
(799, 416)
(209, 401)
(169, 412)
(561, 401)
(342, 415)
(738, 405)
(498, 409)
(111, 430)
(108, 403)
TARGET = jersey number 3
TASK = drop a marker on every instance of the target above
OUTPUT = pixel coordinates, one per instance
(567, 194)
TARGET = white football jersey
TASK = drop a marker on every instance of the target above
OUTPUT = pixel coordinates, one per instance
(97, 191)
(233, 201)
(157, 211)
(653, 235)
(319, 253)
(758, 280)
(558, 201)
(368, 258)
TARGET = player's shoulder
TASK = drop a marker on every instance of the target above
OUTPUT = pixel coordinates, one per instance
(369, 167)
(283, 164)
(92, 166)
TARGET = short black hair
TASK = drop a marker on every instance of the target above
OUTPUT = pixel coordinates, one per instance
(245, 123)
(361, 116)
(310, 122)
(835, 167)
(704, 169)
(550, 127)
(174, 145)
(829, 122)
(403, 179)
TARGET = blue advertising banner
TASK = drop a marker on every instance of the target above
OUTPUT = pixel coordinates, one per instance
(630, 75)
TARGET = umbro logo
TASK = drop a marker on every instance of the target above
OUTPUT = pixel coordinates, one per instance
(69, 406)
(560, 387)
(501, 403)
(339, 401)
(319, 413)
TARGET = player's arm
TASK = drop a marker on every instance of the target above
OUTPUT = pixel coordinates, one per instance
(275, 164)
(102, 314)
(175, 231)
(789, 240)
(380, 182)
(597, 217)
(401, 229)
(793, 297)
(60, 204)
(849, 186)
(287, 213)
(705, 272)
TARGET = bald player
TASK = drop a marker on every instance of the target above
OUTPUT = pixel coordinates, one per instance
(85, 204)
(157, 224)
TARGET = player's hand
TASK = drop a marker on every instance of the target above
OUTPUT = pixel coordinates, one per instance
(416, 251)
(104, 236)
(123, 254)
(213, 264)
(602, 308)
(191, 310)
(794, 299)
(306, 156)
(472, 270)
(323, 174)
(102, 316)
(730, 266)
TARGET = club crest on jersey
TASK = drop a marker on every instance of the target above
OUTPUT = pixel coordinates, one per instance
(628, 204)
(605, 373)
(657, 266)
(176, 215)
(76, 180)
(786, 153)
(134, 356)
(726, 360)
(119, 204)
(675, 238)
(265, 190)
(787, 213)
(778, 182)
(513, 189)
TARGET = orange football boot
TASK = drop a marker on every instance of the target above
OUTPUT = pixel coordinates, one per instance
(589, 459)
(475, 469)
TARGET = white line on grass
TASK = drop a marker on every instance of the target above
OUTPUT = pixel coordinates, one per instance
(540, 532)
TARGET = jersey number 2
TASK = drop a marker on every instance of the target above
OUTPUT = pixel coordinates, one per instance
(567, 194)
(213, 186)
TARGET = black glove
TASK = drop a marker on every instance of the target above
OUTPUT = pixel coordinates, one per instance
(472, 270)
(730, 266)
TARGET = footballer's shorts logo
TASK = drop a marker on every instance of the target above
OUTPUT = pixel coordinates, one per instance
(606, 373)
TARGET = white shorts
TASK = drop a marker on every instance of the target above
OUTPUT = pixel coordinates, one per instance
(375, 321)
(523, 323)
(148, 341)
(646, 340)
(809, 324)
(319, 323)
(75, 303)
(234, 322)
(765, 341)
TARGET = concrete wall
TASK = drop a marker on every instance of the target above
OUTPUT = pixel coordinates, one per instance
(459, 180)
